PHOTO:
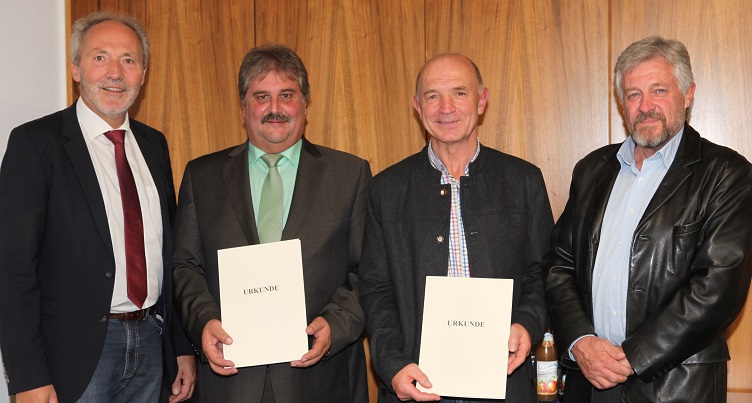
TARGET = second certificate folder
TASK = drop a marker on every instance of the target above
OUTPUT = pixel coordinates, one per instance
(464, 342)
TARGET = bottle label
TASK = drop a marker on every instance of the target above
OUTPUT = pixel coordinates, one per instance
(547, 371)
(548, 340)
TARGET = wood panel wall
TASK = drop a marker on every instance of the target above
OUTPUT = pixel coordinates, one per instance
(548, 65)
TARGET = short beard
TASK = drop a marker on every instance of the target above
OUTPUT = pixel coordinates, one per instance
(90, 93)
(644, 138)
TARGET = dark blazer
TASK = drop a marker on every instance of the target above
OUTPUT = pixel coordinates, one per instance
(689, 270)
(507, 220)
(327, 214)
(56, 258)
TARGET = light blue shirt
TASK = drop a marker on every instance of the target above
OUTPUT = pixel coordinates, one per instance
(629, 198)
(288, 170)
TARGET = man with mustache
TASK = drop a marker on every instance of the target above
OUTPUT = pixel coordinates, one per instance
(86, 202)
(323, 205)
(652, 257)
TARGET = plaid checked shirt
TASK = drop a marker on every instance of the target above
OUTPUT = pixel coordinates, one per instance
(459, 265)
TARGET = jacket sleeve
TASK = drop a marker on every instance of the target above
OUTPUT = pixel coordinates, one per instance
(717, 277)
(379, 300)
(193, 301)
(181, 344)
(23, 211)
(531, 310)
(568, 315)
(343, 312)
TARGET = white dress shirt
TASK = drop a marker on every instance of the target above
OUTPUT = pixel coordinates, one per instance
(102, 152)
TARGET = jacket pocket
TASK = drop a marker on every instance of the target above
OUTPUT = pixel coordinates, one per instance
(684, 246)
(715, 352)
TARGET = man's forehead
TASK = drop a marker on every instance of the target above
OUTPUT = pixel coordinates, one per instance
(112, 38)
(276, 76)
(450, 83)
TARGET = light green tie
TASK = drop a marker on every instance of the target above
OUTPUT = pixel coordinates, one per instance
(270, 208)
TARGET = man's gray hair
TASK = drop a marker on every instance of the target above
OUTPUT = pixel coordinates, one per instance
(83, 24)
(653, 47)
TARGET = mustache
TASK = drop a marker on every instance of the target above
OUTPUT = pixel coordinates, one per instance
(649, 115)
(275, 116)
(114, 83)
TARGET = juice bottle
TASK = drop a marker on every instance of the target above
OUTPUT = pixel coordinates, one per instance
(547, 364)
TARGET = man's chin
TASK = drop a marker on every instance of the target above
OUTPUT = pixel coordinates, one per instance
(650, 138)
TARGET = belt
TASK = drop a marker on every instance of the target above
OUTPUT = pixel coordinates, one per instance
(135, 315)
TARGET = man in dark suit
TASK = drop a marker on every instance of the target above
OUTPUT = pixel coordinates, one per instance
(72, 324)
(652, 257)
(458, 209)
(324, 207)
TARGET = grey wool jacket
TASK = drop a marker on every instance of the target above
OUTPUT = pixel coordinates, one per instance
(507, 222)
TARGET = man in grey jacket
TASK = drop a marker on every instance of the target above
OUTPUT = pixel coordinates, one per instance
(456, 208)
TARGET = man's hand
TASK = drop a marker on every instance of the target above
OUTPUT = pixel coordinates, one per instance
(213, 338)
(602, 363)
(45, 394)
(182, 388)
(402, 383)
(322, 341)
(625, 362)
(519, 347)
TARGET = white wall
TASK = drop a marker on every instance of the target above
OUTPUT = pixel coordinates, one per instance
(32, 71)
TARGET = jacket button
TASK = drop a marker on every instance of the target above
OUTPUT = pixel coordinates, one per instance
(439, 239)
(103, 319)
(108, 274)
(442, 192)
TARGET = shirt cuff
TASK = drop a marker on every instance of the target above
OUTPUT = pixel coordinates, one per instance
(569, 350)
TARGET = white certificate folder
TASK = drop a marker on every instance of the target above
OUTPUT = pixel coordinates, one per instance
(464, 343)
(263, 303)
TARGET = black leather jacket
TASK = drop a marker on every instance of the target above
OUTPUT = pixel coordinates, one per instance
(689, 270)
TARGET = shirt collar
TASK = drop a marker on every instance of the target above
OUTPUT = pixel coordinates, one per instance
(94, 126)
(436, 162)
(667, 153)
(292, 154)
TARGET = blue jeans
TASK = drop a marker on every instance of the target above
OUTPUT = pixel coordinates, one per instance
(130, 366)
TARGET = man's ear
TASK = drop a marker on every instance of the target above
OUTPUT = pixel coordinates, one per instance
(416, 105)
(483, 101)
(75, 73)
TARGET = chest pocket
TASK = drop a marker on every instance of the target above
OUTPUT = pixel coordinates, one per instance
(684, 244)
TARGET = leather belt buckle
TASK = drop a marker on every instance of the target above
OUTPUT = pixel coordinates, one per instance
(135, 315)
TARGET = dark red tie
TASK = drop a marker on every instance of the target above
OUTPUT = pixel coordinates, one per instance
(135, 257)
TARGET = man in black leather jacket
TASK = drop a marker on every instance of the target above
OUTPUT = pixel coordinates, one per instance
(652, 257)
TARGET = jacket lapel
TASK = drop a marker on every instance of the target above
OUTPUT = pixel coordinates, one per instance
(80, 159)
(602, 191)
(687, 154)
(237, 183)
(310, 171)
